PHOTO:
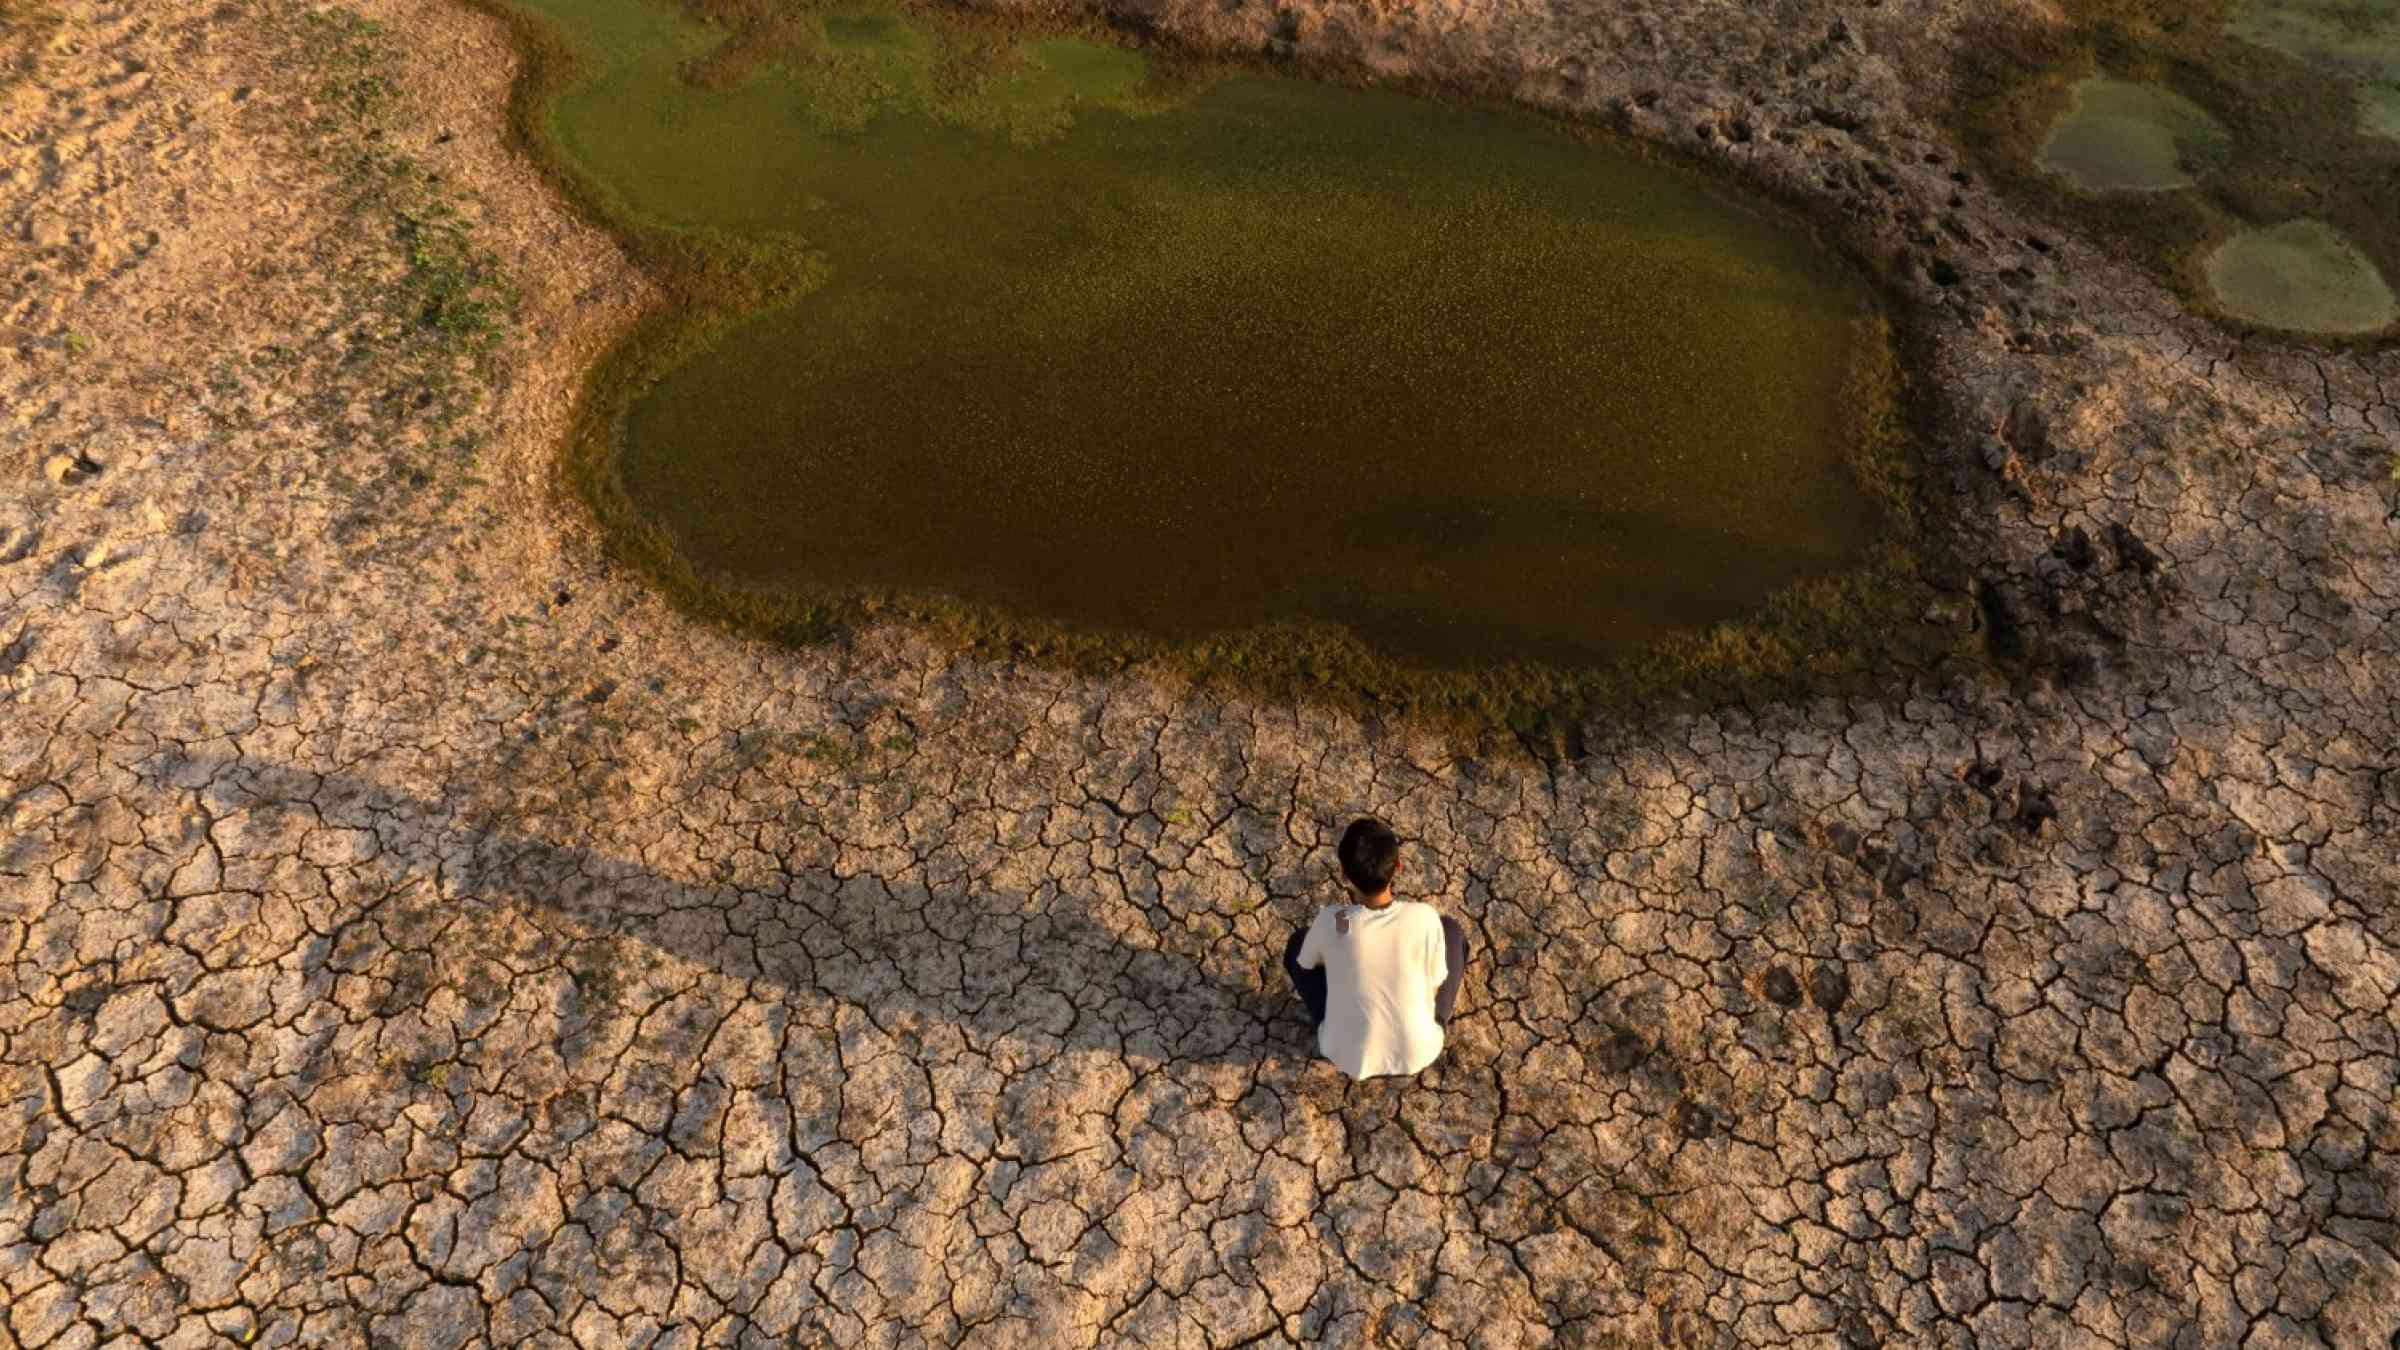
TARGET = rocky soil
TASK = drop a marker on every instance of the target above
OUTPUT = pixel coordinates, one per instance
(412, 933)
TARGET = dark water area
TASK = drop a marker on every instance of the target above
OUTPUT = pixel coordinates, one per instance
(1129, 350)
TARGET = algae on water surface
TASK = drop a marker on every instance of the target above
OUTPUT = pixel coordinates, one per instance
(2116, 135)
(1141, 350)
(2303, 275)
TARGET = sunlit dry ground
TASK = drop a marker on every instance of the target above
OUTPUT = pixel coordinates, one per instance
(414, 934)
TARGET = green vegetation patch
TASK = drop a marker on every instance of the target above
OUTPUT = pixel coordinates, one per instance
(451, 304)
(1110, 357)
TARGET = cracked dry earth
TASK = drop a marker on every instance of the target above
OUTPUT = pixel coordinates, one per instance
(411, 933)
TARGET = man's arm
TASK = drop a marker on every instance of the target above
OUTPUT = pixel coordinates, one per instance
(1312, 948)
(1437, 947)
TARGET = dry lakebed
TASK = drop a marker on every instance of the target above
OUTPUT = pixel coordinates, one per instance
(670, 670)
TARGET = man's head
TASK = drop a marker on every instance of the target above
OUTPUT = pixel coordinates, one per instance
(1370, 855)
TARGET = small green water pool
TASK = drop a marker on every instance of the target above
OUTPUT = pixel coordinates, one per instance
(1109, 342)
(2119, 136)
(2248, 152)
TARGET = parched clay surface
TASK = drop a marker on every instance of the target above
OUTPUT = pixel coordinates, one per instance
(411, 933)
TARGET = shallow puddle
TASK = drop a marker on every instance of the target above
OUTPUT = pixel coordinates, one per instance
(2304, 275)
(2116, 135)
(1134, 349)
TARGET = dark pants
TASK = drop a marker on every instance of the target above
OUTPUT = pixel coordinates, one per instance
(1310, 984)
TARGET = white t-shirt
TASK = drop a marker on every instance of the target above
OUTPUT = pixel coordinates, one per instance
(1380, 978)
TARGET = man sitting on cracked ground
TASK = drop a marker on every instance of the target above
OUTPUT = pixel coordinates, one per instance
(1380, 976)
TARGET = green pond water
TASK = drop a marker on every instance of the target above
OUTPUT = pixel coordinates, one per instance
(2117, 135)
(2305, 274)
(2301, 274)
(2280, 180)
(1131, 349)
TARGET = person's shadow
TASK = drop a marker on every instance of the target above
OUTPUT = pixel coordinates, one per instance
(1044, 965)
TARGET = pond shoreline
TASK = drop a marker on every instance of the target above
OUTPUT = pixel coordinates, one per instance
(1848, 633)
(1705, 242)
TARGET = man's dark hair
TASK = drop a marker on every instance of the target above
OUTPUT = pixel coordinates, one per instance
(1370, 855)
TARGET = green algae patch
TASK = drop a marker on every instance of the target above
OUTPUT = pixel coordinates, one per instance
(1111, 356)
(2302, 275)
(2116, 135)
(1289, 352)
